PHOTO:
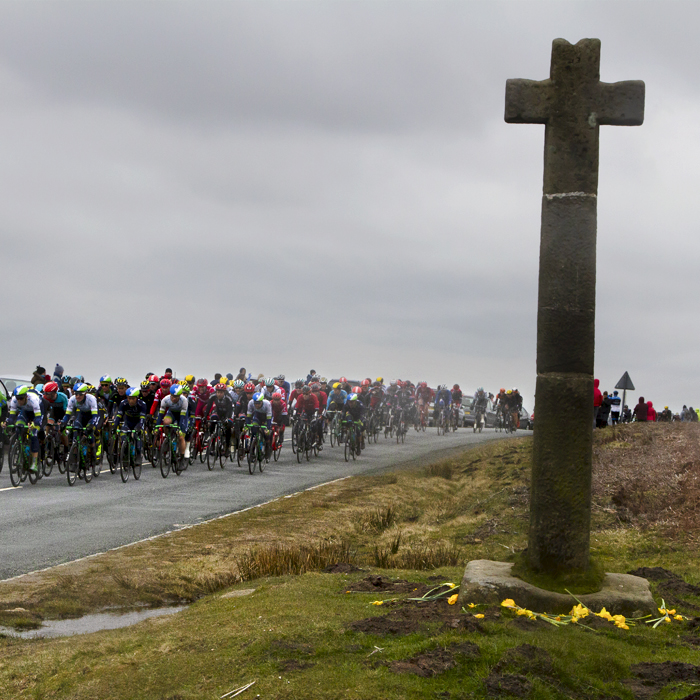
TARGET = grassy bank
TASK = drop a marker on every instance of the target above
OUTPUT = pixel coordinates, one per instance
(302, 635)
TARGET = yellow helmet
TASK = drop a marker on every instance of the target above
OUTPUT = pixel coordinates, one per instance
(336, 385)
(380, 380)
(510, 391)
(189, 378)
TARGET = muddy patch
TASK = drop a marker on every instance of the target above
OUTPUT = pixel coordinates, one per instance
(409, 617)
(341, 568)
(381, 584)
(525, 659)
(649, 678)
(435, 661)
(294, 665)
(669, 585)
(512, 684)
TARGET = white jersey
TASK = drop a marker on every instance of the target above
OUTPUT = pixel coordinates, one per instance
(33, 404)
(87, 406)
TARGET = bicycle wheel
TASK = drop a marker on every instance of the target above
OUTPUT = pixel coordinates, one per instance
(111, 447)
(97, 463)
(223, 452)
(308, 445)
(300, 446)
(348, 448)
(72, 463)
(262, 448)
(251, 455)
(137, 467)
(278, 448)
(334, 437)
(177, 458)
(124, 458)
(296, 432)
(212, 448)
(165, 457)
(87, 469)
(16, 461)
(49, 455)
(240, 452)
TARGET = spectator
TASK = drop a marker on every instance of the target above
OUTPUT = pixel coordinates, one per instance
(241, 374)
(684, 413)
(626, 416)
(215, 381)
(640, 411)
(651, 412)
(39, 376)
(615, 405)
(604, 411)
(57, 374)
(597, 401)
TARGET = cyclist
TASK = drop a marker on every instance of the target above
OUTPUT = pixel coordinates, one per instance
(443, 399)
(189, 380)
(296, 392)
(54, 407)
(307, 404)
(66, 384)
(175, 407)
(284, 385)
(163, 391)
(133, 412)
(83, 410)
(106, 388)
(220, 408)
(25, 409)
(279, 413)
(240, 410)
(336, 398)
(353, 412)
(117, 396)
(259, 415)
(479, 404)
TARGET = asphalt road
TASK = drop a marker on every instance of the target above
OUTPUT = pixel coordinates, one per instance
(51, 523)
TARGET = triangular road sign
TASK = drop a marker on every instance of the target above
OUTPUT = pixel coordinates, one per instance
(625, 383)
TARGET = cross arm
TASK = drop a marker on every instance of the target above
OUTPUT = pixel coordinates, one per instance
(621, 104)
(527, 101)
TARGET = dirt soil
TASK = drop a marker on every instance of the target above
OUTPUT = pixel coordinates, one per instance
(409, 617)
(669, 585)
(650, 678)
(382, 584)
(436, 661)
(508, 684)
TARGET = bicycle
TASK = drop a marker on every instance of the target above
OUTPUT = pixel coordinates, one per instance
(276, 442)
(110, 446)
(401, 429)
(199, 444)
(257, 451)
(216, 447)
(334, 427)
(443, 421)
(54, 451)
(80, 460)
(20, 457)
(304, 438)
(169, 456)
(479, 420)
(243, 445)
(352, 440)
(127, 454)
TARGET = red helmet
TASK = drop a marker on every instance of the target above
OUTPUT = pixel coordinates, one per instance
(165, 384)
(154, 379)
(220, 387)
(202, 382)
(455, 387)
(424, 385)
(502, 391)
(366, 382)
(249, 388)
(315, 387)
(356, 390)
(277, 396)
(343, 380)
(50, 388)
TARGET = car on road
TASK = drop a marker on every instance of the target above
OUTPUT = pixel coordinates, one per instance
(470, 414)
(8, 384)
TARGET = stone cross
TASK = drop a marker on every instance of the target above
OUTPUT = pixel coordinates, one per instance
(571, 104)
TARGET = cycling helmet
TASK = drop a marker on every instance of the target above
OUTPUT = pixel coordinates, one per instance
(380, 380)
(366, 382)
(105, 379)
(455, 387)
(324, 380)
(66, 379)
(202, 382)
(165, 384)
(315, 387)
(81, 388)
(92, 389)
(515, 390)
(79, 378)
(154, 379)
(120, 381)
(144, 385)
(306, 389)
(481, 388)
(424, 385)
(189, 378)
(220, 387)
(258, 397)
(76, 385)
(277, 396)
(510, 391)
(299, 383)
(343, 380)
(238, 384)
(269, 382)
(50, 388)
(39, 388)
(336, 385)
(280, 377)
(355, 390)
(393, 382)
(354, 397)
(249, 388)
(133, 391)
(176, 390)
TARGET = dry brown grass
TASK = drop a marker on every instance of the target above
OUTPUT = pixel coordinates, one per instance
(650, 474)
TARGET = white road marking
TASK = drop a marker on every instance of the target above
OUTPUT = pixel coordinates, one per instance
(11, 488)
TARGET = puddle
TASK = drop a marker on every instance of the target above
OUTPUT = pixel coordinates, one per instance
(89, 623)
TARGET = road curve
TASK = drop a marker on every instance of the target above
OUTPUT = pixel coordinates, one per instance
(51, 523)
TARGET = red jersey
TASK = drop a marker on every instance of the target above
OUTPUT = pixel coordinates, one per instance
(307, 403)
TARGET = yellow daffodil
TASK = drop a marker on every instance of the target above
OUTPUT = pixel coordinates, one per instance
(579, 611)
(471, 605)
(530, 614)
(479, 615)
(664, 611)
(618, 619)
(621, 625)
(558, 618)
(453, 599)
(508, 603)
(451, 585)
(678, 617)
(377, 602)
(605, 615)
(521, 611)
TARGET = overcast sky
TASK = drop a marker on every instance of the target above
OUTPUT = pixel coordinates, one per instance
(331, 185)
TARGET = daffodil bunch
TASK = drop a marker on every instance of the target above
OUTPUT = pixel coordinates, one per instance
(578, 612)
(442, 590)
(666, 616)
(472, 606)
